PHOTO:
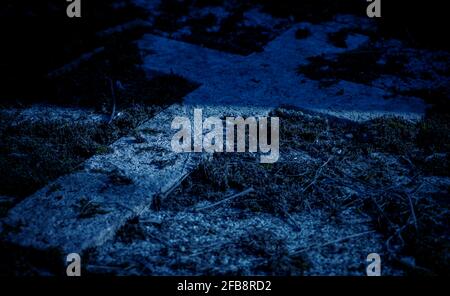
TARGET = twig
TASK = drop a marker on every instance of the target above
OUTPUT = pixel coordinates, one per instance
(333, 242)
(209, 248)
(226, 199)
(318, 173)
(163, 195)
(413, 213)
(113, 95)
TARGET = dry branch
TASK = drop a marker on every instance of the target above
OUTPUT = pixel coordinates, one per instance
(226, 199)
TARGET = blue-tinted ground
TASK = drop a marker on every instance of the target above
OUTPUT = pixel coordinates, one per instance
(364, 136)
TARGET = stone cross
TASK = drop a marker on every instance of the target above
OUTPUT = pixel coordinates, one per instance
(86, 208)
(270, 78)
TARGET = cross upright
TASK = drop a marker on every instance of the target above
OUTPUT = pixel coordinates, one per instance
(270, 78)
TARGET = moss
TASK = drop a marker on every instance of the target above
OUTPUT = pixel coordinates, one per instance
(266, 244)
(427, 243)
(32, 154)
(434, 134)
(393, 135)
(88, 209)
(103, 149)
(35, 153)
(363, 172)
(131, 231)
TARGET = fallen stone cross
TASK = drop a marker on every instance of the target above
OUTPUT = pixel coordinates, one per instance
(84, 209)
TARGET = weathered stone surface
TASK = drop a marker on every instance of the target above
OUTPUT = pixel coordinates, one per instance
(270, 78)
(85, 209)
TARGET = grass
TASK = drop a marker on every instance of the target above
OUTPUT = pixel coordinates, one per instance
(376, 168)
(387, 168)
(34, 153)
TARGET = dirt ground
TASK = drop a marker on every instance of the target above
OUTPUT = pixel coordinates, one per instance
(339, 192)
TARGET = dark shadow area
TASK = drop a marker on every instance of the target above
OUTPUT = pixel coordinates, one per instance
(38, 37)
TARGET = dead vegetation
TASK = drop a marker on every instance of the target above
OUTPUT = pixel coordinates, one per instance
(388, 169)
(112, 83)
(378, 168)
(34, 153)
